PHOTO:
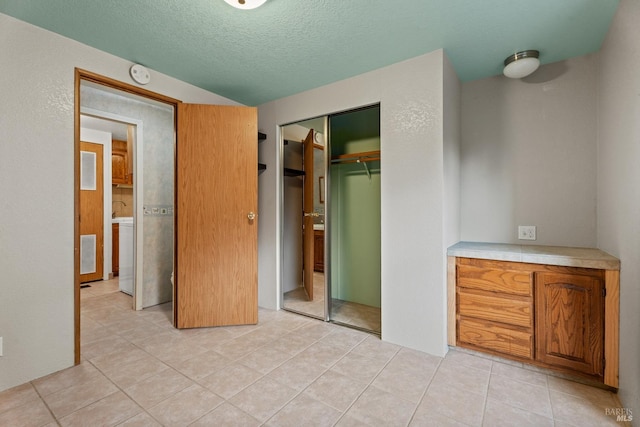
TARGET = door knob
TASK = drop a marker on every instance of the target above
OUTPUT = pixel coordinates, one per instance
(251, 216)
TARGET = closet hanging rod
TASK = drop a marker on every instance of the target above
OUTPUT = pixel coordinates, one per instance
(367, 156)
(356, 160)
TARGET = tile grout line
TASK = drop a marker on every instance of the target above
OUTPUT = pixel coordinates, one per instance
(44, 402)
(486, 395)
(130, 397)
(368, 384)
(302, 326)
(424, 393)
(312, 382)
(123, 392)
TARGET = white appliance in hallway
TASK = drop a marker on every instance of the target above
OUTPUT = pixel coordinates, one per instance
(126, 256)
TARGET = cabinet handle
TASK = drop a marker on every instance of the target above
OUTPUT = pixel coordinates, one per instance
(251, 216)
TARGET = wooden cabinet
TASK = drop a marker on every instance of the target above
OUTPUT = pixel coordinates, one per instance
(495, 307)
(115, 249)
(569, 312)
(120, 167)
(318, 250)
(550, 316)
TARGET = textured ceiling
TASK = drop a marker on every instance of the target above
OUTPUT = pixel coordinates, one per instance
(287, 46)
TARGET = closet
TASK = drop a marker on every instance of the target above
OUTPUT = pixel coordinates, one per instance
(331, 218)
(354, 218)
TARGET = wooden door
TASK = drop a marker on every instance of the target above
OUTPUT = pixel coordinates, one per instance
(115, 246)
(91, 212)
(570, 330)
(216, 266)
(308, 206)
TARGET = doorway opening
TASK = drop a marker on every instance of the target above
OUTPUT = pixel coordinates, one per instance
(171, 187)
(118, 137)
(102, 100)
(331, 219)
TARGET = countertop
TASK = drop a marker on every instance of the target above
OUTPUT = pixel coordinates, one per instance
(121, 219)
(550, 255)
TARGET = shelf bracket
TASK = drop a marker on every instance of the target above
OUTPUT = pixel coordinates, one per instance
(366, 168)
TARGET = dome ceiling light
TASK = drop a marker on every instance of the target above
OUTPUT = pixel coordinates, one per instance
(245, 4)
(521, 64)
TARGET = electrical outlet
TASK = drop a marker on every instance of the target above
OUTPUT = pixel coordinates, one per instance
(527, 232)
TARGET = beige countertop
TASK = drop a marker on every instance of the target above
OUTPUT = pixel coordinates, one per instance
(550, 255)
(121, 219)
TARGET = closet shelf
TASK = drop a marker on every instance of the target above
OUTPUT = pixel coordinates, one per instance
(261, 166)
(365, 156)
(293, 172)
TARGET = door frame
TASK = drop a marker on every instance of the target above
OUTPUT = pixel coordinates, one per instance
(81, 75)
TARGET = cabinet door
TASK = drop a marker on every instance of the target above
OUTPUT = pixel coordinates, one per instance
(118, 167)
(318, 251)
(119, 162)
(569, 324)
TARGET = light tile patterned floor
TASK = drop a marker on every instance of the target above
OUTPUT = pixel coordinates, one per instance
(347, 312)
(288, 370)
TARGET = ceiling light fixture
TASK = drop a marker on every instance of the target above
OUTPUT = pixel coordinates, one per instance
(246, 4)
(521, 64)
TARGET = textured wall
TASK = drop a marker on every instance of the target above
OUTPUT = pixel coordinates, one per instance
(410, 94)
(529, 156)
(451, 156)
(37, 181)
(619, 182)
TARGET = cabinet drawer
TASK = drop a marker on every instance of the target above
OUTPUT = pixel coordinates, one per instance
(500, 309)
(496, 338)
(495, 280)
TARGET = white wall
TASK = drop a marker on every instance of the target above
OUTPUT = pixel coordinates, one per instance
(452, 172)
(560, 150)
(37, 179)
(619, 181)
(410, 94)
(529, 155)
